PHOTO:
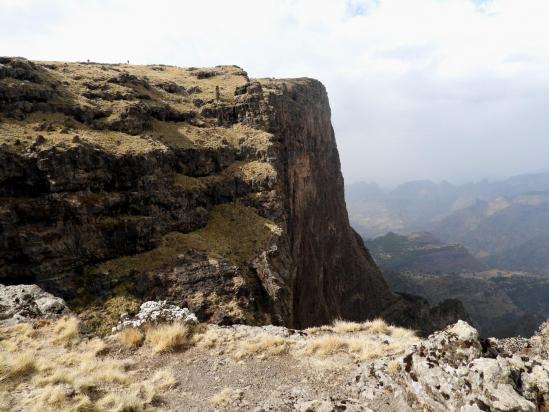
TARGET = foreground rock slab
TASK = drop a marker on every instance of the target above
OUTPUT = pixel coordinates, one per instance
(456, 370)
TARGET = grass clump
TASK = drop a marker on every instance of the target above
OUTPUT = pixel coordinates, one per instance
(81, 376)
(130, 337)
(16, 366)
(169, 337)
(262, 346)
(66, 329)
(226, 397)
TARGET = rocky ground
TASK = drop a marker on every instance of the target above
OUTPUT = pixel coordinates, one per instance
(53, 364)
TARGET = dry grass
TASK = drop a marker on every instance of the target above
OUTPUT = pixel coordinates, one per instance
(16, 366)
(78, 376)
(376, 327)
(361, 347)
(355, 341)
(169, 337)
(60, 370)
(362, 341)
(226, 397)
(65, 329)
(262, 346)
(130, 337)
(393, 367)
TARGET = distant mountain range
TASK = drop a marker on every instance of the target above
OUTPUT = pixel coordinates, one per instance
(502, 303)
(504, 224)
(422, 253)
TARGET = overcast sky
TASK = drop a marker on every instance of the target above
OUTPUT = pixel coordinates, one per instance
(439, 89)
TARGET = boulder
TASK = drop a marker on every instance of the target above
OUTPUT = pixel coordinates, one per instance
(156, 312)
(23, 302)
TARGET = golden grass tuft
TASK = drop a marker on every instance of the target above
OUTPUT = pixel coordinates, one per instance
(226, 397)
(360, 347)
(126, 401)
(66, 329)
(377, 326)
(343, 326)
(16, 366)
(169, 337)
(262, 346)
(374, 327)
(326, 345)
(398, 332)
(130, 337)
(393, 367)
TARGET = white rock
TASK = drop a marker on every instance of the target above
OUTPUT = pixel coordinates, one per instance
(156, 312)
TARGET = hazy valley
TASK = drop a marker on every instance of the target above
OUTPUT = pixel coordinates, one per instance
(482, 243)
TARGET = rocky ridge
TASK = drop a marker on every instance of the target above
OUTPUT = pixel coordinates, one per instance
(368, 366)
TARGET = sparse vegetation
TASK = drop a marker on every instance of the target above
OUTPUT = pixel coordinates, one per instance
(169, 337)
(62, 370)
(101, 314)
(76, 377)
(262, 346)
(217, 238)
(66, 329)
(130, 337)
(226, 396)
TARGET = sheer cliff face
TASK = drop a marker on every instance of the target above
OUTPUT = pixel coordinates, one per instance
(121, 183)
(334, 274)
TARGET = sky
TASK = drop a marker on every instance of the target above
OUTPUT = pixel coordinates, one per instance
(419, 89)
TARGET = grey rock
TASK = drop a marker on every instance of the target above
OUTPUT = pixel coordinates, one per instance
(23, 302)
(452, 371)
(156, 312)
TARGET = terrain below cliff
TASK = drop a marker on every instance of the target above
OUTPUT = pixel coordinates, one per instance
(218, 192)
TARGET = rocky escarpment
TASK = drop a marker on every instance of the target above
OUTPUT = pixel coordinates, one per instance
(456, 370)
(204, 187)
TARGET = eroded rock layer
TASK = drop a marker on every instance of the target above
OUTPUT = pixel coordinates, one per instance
(215, 191)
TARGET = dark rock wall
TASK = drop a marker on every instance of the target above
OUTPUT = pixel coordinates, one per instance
(334, 275)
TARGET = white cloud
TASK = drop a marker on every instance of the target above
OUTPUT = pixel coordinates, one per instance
(419, 88)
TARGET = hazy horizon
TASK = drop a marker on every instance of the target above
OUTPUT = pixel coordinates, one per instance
(453, 89)
(455, 182)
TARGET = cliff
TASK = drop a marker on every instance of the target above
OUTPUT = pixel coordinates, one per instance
(218, 192)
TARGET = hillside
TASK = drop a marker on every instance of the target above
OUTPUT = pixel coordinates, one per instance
(501, 303)
(507, 231)
(421, 252)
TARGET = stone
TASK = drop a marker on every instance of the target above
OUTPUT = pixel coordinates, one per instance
(156, 312)
(25, 302)
(452, 370)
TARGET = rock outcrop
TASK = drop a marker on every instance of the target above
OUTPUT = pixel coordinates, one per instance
(456, 370)
(151, 313)
(25, 302)
(204, 187)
